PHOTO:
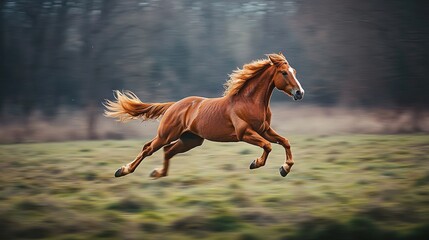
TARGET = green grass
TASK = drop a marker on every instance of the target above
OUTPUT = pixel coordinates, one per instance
(341, 187)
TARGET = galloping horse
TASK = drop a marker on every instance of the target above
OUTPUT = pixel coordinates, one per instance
(241, 114)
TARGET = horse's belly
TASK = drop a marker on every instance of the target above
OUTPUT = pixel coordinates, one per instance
(219, 135)
(212, 122)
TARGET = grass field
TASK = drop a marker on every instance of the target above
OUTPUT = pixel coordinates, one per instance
(341, 187)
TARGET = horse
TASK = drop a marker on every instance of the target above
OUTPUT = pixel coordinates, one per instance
(241, 114)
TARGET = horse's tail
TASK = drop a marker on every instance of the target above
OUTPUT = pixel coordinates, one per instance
(128, 107)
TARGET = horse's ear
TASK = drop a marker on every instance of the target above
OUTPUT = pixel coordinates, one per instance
(281, 54)
(270, 56)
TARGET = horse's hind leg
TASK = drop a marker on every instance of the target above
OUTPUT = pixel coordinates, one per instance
(185, 143)
(148, 149)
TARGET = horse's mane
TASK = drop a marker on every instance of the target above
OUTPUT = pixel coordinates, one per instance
(239, 77)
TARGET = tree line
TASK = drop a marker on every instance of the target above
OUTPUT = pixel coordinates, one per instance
(71, 54)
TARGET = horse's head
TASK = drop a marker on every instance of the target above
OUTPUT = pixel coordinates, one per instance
(285, 77)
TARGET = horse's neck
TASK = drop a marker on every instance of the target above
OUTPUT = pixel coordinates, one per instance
(260, 88)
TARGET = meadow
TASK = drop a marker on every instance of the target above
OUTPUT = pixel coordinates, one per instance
(347, 186)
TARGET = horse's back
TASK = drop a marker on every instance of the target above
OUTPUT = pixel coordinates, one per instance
(184, 106)
(206, 117)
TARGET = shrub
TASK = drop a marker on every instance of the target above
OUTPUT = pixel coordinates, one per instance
(190, 223)
(6, 227)
(356, 229)
(33, 232)
(107, 233)
(223, 223)
(220, 223)
(247, 236)
(150, 227)
(132, 205)
(419, 233)
(258, 217)
(422, 181)
(363, 228)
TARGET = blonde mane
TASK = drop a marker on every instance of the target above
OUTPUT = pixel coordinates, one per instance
(239, 77)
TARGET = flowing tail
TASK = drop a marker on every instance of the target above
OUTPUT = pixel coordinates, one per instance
(128, 107)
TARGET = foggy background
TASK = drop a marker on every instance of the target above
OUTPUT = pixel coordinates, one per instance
(363, 64)
(359, 137)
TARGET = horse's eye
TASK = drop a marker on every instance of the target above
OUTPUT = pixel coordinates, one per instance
(284, 73)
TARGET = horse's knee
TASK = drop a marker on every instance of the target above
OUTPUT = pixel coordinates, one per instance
(148, 151)
(147, 145)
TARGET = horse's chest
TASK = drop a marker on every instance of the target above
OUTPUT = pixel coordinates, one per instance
(258, 121)
(259, 126)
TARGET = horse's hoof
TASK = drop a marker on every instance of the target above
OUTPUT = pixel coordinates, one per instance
(253, 165)
(118, 172)
(154, 174)
(283, 171)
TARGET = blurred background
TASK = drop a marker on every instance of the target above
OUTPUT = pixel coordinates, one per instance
(60, 59)
(359, 137)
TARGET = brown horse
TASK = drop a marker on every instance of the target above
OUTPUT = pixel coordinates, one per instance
(242, 114)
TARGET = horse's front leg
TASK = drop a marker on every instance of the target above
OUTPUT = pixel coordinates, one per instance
(274, 137)
(252, 137)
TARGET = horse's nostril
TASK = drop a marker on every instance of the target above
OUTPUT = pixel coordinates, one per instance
(298, 93)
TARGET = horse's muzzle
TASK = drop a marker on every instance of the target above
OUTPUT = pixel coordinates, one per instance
(298, 95)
